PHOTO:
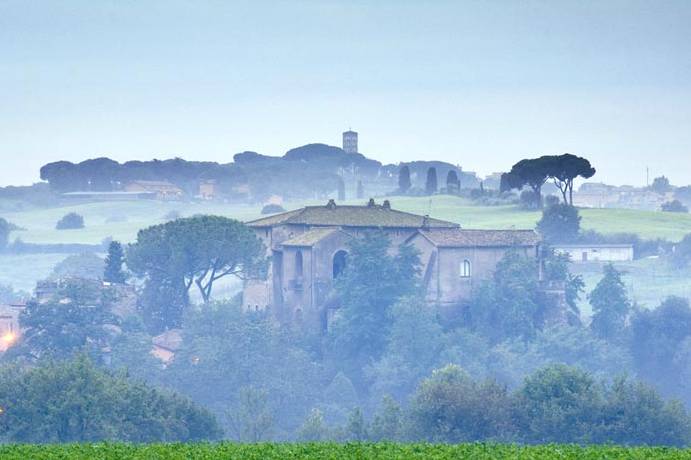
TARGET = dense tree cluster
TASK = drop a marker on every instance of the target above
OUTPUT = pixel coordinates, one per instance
(73, 401)
(72, 320)
(560, 223)
(391, 367)
(317, 164)
(196, 251)
(661, 185)
(4, 234)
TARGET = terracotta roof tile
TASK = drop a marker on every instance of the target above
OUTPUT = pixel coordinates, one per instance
(351, 216)
(457, 237)
(310, 237)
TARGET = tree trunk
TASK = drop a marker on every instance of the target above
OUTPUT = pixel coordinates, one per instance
(538, 196)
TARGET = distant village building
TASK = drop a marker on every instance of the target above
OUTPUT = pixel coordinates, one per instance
(208, 190)
(492, 181)
(308, 250)
(350, 142)
(275, 199)
(164, 190)
(165, 345)
(598, 195)
(596, 252)
(109, 196)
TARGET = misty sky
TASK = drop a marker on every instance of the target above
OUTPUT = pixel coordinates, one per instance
(481, 84)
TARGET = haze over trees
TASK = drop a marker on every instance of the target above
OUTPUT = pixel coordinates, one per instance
(560, 223)
(367, 288)
(389, 367)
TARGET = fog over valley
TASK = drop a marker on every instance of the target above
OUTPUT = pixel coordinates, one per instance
(345, 230)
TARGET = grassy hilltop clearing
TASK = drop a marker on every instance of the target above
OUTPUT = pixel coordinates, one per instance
(332, 451)
(122, 220)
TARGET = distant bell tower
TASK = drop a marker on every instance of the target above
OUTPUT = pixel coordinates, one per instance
(350, 141)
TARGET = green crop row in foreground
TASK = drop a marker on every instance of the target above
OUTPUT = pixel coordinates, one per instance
(333, 451)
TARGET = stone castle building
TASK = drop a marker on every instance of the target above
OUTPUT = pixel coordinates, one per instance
(308, 249)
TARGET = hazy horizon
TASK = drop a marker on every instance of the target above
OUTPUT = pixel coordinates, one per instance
(472, 83)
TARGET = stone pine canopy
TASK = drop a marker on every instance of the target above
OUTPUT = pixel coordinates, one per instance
(371, 215)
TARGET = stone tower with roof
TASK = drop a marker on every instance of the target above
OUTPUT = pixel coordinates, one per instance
(350, 142)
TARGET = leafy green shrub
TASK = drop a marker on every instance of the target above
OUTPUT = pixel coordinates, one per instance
(70, 221)
(674, 206)
(327, 450)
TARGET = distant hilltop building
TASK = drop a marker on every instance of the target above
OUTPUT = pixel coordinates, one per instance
(350, 142)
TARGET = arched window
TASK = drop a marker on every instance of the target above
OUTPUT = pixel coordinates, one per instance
(298, 264)
(465, 269)
(339, 264)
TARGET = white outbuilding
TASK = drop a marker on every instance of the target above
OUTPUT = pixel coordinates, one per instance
(596, 252)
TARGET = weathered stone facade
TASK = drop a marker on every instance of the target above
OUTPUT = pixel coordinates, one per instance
(308, 247)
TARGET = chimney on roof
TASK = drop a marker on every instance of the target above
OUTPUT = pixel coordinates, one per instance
(331, 204)
(387, 204)
(371, 203)
(425, 222)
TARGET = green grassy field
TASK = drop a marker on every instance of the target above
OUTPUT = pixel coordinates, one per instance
(335, 451)
(122, 220)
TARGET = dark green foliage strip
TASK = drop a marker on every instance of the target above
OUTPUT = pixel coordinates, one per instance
(333, 451)
(77, 402)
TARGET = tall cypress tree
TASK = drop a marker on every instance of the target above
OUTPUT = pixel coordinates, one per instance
(611, 305)
(453, 185)
(404, 179)
(431, 184)
(113, 272)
